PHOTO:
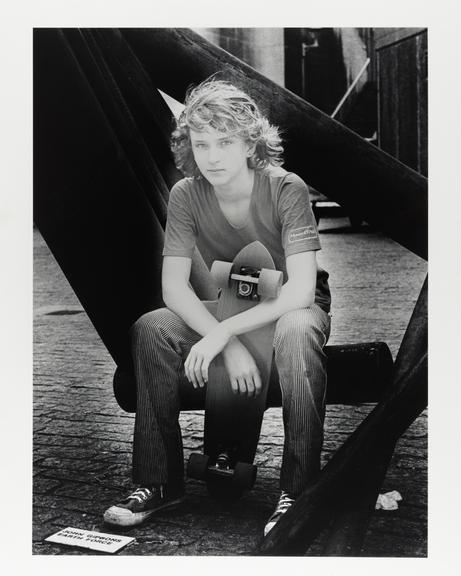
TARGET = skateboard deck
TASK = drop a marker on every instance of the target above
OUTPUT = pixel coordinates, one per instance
(233, 421)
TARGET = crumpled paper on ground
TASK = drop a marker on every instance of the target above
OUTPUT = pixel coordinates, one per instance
(388, 501)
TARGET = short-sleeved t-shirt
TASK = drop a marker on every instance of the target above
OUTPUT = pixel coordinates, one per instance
(280, 216)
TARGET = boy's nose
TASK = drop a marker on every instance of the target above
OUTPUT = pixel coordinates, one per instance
(213, 155)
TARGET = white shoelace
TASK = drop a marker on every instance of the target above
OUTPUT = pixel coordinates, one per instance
(141, 494)
(284, 503)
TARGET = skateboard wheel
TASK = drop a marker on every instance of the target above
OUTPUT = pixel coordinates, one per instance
(270, 283)
(197, 466)
(244, 475)
(220, 272)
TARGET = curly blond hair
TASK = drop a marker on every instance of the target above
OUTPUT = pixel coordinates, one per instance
(221, 105)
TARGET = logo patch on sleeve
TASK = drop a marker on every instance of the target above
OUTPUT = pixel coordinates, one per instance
(300, 234)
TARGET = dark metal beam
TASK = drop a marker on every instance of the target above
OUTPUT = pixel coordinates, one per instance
(349, 468)
(330, 157)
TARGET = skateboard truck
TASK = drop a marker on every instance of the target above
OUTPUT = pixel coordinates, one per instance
(242, 476)
(223, 463)
(251, 283)
(247, 283)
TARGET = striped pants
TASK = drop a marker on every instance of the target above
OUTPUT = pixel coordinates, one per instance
(161, 342)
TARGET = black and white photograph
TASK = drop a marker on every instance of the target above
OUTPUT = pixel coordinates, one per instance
(229, 241)
(227, 221)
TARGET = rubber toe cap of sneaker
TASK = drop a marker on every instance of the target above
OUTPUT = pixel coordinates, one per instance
(268, 527)
(119, 516)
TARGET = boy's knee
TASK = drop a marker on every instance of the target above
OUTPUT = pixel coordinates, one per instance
(296, 323)
(152, 323)
(302, 328)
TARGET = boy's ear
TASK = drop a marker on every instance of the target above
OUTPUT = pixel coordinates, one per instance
(251, 150)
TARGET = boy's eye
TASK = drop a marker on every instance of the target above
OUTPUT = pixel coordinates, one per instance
(199, 145)
(226, 142)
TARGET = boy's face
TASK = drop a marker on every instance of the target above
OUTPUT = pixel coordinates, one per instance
(221, 157)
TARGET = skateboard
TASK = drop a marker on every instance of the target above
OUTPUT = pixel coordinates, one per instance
(232, 421)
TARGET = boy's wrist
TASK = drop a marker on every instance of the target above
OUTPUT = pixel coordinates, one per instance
(226, 330)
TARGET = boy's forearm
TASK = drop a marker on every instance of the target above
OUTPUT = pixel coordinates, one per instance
(269, 310)
(184, 302)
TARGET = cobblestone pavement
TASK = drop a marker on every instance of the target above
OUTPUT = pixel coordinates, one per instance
(82, 439)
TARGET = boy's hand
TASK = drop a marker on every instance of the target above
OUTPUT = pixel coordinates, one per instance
(202, 354)
(241, 367)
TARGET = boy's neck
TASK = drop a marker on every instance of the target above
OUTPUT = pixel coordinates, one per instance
(239, 189)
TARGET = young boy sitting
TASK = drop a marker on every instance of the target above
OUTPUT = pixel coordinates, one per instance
(234, 192)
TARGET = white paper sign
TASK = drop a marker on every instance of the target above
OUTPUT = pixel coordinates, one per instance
(92, 540)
